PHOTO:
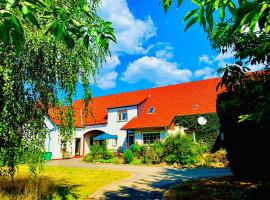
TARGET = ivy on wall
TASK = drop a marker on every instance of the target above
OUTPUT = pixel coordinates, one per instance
(207, 133)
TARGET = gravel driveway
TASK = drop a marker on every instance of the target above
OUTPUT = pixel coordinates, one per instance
(145, 182)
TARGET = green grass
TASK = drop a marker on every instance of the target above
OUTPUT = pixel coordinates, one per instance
(225, 188)
(58, 183)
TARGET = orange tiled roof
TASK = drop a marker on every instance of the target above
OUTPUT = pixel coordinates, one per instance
(168, 101)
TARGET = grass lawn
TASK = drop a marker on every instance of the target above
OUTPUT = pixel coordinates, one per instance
(225, 188)
(58, 183)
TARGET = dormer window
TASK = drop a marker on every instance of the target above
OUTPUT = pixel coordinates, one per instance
(122, 115)
(151, 110)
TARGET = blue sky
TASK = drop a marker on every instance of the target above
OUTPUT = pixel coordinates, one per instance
(153, 49)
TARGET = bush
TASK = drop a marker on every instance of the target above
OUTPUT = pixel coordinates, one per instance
(128, 156)
(217, 159)
(182, 150)
(152, 153)
(135, 148)
(98, 152)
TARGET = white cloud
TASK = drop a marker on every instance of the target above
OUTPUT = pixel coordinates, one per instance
(131, 33)
(206, 73)
(256, 67)
(106, 79)
(155, 70)
(220, 60)
(223, 57)
(165, 52)
(205, 59)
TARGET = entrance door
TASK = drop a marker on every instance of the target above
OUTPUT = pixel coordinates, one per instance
(91, 141)
(78, 147)
(130, 140)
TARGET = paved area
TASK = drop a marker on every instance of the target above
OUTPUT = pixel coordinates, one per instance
(145, 182)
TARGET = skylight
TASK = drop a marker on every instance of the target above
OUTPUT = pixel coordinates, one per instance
(151, 110)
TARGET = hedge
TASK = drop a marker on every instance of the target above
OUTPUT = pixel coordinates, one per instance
(207, 133)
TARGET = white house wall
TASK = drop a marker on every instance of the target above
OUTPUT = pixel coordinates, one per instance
(112, 127)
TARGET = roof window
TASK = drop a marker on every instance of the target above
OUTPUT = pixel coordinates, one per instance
(151, 110)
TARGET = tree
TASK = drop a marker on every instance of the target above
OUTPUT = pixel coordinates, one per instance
(66, 20)
(243, 26)
(39, 73)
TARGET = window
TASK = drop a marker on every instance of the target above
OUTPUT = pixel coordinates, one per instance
(149, 138)
(151, 110)
(114, 142)
(122, 115)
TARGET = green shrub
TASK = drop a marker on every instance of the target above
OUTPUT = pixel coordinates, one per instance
(98, 152)
(182, 150)
(152, 153)
(217, 159)
(136, 161)
(135, 148)
(128, 156)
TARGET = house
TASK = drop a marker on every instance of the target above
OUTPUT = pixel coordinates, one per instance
(133, 117)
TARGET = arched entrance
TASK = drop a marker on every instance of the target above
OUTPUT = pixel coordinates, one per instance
(88, 140)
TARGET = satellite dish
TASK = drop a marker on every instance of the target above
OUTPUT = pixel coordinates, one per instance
(202, 120)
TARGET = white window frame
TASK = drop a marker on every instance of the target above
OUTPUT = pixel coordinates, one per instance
(120, 113)
(152, 132)
(114, 142)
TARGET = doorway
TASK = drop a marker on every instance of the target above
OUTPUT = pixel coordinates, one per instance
(78, 147)
(130, 140)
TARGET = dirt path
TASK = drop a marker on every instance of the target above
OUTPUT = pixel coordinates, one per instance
(145, 183)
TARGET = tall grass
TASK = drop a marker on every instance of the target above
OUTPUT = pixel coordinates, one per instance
(57, 183)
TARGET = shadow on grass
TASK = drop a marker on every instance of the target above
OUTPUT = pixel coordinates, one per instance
(154, 188)
(36, 188)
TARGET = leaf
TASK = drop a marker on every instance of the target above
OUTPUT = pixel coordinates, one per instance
(57, 30)
(222, 14)
(82, 3)
(4, 34)
(209, 16)
(32, 19)
(68, 40)
(75, 22)
(201, 18)
(179, 3)
(191, 22)
(189, 14)
(25, 9)
(198, 3)
(16, 41)
(216, 4)
(86, 41)
(166, 4)
(47, 28)
(16, 24)
(5, 13)
(232, 8)
(257, 17)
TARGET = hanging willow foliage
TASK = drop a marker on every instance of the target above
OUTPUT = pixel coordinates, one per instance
(43, 77)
